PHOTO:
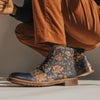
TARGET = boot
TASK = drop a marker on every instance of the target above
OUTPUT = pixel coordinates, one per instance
(82, 65)
(57, 68)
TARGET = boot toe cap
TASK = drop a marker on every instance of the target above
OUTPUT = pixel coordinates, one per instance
(22, 76)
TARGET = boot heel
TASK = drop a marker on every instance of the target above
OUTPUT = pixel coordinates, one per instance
(71, 82)
(86, 71)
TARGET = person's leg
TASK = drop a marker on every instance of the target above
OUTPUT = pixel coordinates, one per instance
(83, 67)
(25, 34)
(58, 67)
(48, 21)
(81, 25)
(48, 26)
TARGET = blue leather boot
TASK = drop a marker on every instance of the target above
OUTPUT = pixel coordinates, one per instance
(57, 68)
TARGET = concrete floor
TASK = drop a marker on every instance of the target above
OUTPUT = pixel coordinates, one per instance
(86, 90)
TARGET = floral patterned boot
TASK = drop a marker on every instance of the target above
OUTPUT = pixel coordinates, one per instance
(82, 65)
(57, 68)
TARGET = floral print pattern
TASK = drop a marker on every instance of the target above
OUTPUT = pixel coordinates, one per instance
(57, 65)
(80, 60)
(61, 63)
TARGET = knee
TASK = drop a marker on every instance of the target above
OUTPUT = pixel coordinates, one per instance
(24, 28)
(18, 30)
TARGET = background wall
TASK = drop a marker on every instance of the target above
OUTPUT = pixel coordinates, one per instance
(15, 56)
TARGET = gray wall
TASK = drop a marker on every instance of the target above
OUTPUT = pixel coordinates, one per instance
(15, 56)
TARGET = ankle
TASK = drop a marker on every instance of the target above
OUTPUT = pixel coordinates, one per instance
(53, 44)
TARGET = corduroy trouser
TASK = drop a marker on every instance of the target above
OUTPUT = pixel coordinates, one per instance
(75, 23)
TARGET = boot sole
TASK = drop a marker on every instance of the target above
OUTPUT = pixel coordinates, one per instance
(85, 71)
(63, 82)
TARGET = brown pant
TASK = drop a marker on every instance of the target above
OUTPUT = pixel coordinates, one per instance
(68, 22)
